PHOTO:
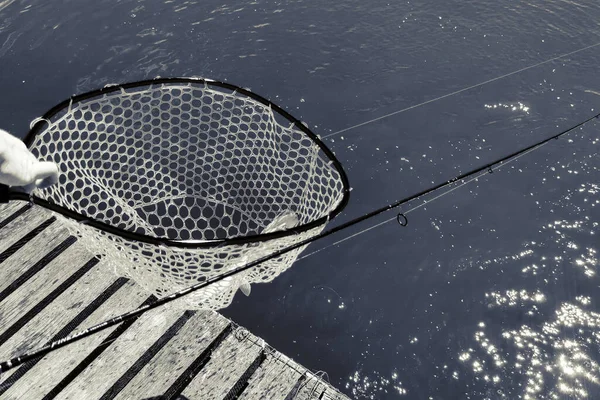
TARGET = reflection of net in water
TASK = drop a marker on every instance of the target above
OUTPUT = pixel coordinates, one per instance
(190, 165)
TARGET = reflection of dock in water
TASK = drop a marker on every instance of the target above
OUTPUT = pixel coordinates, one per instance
(51, 287)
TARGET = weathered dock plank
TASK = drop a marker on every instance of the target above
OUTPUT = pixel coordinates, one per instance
(33, 291)
(8, 209)
(32, 258)
(46, 324)
(175, 360)
(50, 372)
(226, 367)
(20, 228)
(101, 378)
(274, 379)
(310, 388)
(51, 287)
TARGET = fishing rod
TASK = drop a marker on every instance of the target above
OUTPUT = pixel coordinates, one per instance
(401, 218)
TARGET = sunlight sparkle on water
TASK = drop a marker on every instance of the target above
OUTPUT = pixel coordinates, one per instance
(539, 347)
(363, 386)
(518, 106)
(553, 361)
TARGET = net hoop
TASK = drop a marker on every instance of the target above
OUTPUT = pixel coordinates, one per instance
(176, 181)
(38, 126)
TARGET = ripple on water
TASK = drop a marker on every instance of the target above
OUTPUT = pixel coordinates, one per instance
(545, 343)
(362, 385)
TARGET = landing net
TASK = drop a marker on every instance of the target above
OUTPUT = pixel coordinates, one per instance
(175, 181)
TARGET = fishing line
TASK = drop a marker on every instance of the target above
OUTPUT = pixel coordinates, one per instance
(14, 362)
(459, 91)
(403, 214)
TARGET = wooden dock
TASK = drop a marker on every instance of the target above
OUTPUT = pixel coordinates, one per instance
(51, 286)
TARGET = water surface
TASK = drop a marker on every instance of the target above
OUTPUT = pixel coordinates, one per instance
(490, 291)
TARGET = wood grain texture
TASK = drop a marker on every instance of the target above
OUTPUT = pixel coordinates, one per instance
(41, 328)
(104, 372)
(227, 364)
(143, 361)
(46, 280)
(7, 209)
(177, 355)
(21, 226)
(273, 380)
(310, 388)
(55, 366)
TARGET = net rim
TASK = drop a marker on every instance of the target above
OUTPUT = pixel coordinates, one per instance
(37, 127)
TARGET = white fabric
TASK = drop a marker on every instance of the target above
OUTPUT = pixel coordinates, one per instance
(18, 167)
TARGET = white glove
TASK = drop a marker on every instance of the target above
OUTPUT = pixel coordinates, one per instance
(18, 167)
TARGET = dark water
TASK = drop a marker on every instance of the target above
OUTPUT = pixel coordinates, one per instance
(491, 291)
